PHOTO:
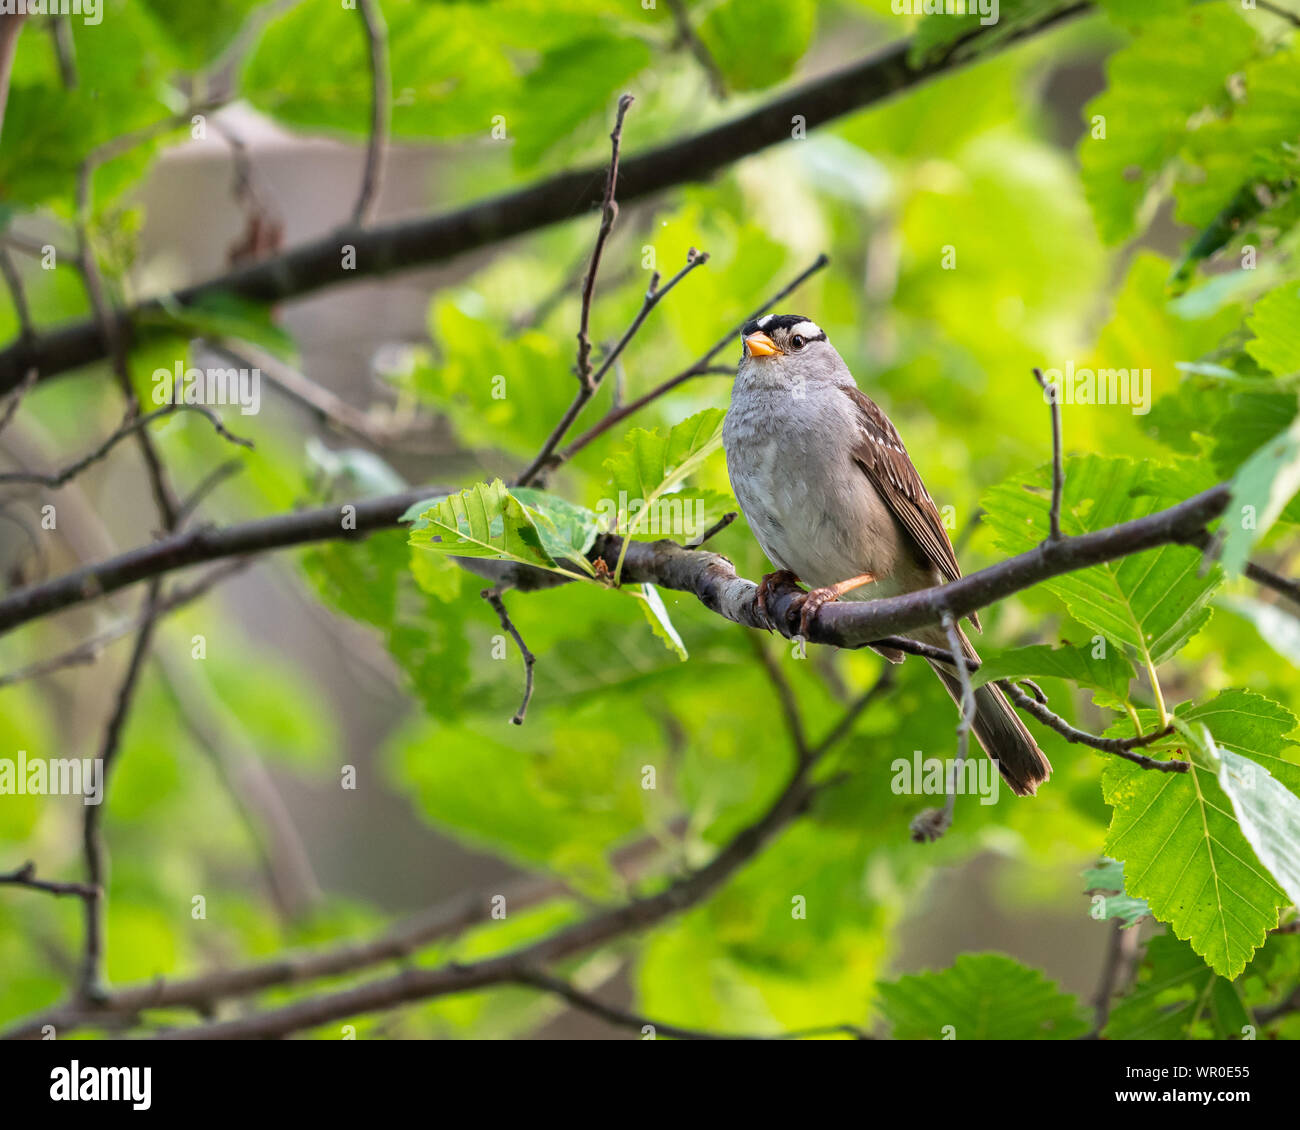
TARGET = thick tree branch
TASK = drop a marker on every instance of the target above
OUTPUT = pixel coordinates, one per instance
(436, 239)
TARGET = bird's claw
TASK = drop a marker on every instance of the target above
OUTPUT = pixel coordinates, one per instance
(811, 604)
(765, 587)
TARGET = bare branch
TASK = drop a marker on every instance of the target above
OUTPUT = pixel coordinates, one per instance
(1053, 394)
(608, 213)
(493, 597)
(652, 298)
(931, 823)
(380, 103)
(25, 876)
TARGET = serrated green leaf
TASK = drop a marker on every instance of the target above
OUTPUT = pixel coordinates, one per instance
(568, 531)
(1275, 322)
(1106, 884)
(1175, 992)
(484, 520)
(1182, 847)
(1110, 673)
(652, 467)
(1152, 602)
(983, 996)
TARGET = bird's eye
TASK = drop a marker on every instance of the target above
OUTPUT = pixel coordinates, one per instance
(796, 342)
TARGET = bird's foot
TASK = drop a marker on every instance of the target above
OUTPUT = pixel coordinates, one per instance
(781, 578)
(811, 604)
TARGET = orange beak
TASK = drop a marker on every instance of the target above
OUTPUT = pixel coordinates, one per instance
(760, 345)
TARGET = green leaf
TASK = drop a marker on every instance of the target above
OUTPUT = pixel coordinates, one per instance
(223, 315)
(982, 996)
(1261, 489)
(1154, 86)
(1106, 884)
(1110, 673)
(573, 83)
(653, 466)
(1175, 994)
(1275, 322)
(1278, 627)
(1181, 845)
(568, 531)
(1154, 601)
(484, 520)
(652, 604)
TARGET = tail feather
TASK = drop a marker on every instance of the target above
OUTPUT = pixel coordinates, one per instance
(999, 730)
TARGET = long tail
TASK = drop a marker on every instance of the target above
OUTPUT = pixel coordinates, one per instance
(998, 727)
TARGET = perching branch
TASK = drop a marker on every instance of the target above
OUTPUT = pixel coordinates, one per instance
(709, 577)
(436, 239)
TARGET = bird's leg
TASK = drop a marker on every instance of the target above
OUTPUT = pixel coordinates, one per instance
(814, 600)
(765, 587)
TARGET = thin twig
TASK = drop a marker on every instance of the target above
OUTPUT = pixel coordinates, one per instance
(91, 981)
(1121, 952)
(493, 597)
(932, 823)
(131, 426)
(14, 281)
(380, 108)
(608, 213)
(715, 529)
(1053, 394)
(653, 296)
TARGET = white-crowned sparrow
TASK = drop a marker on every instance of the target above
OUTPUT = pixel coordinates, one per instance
(832, 497)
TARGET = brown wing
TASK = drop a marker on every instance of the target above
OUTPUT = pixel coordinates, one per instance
(884, 459)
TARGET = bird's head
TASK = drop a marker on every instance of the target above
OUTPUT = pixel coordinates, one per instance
(781, 338)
